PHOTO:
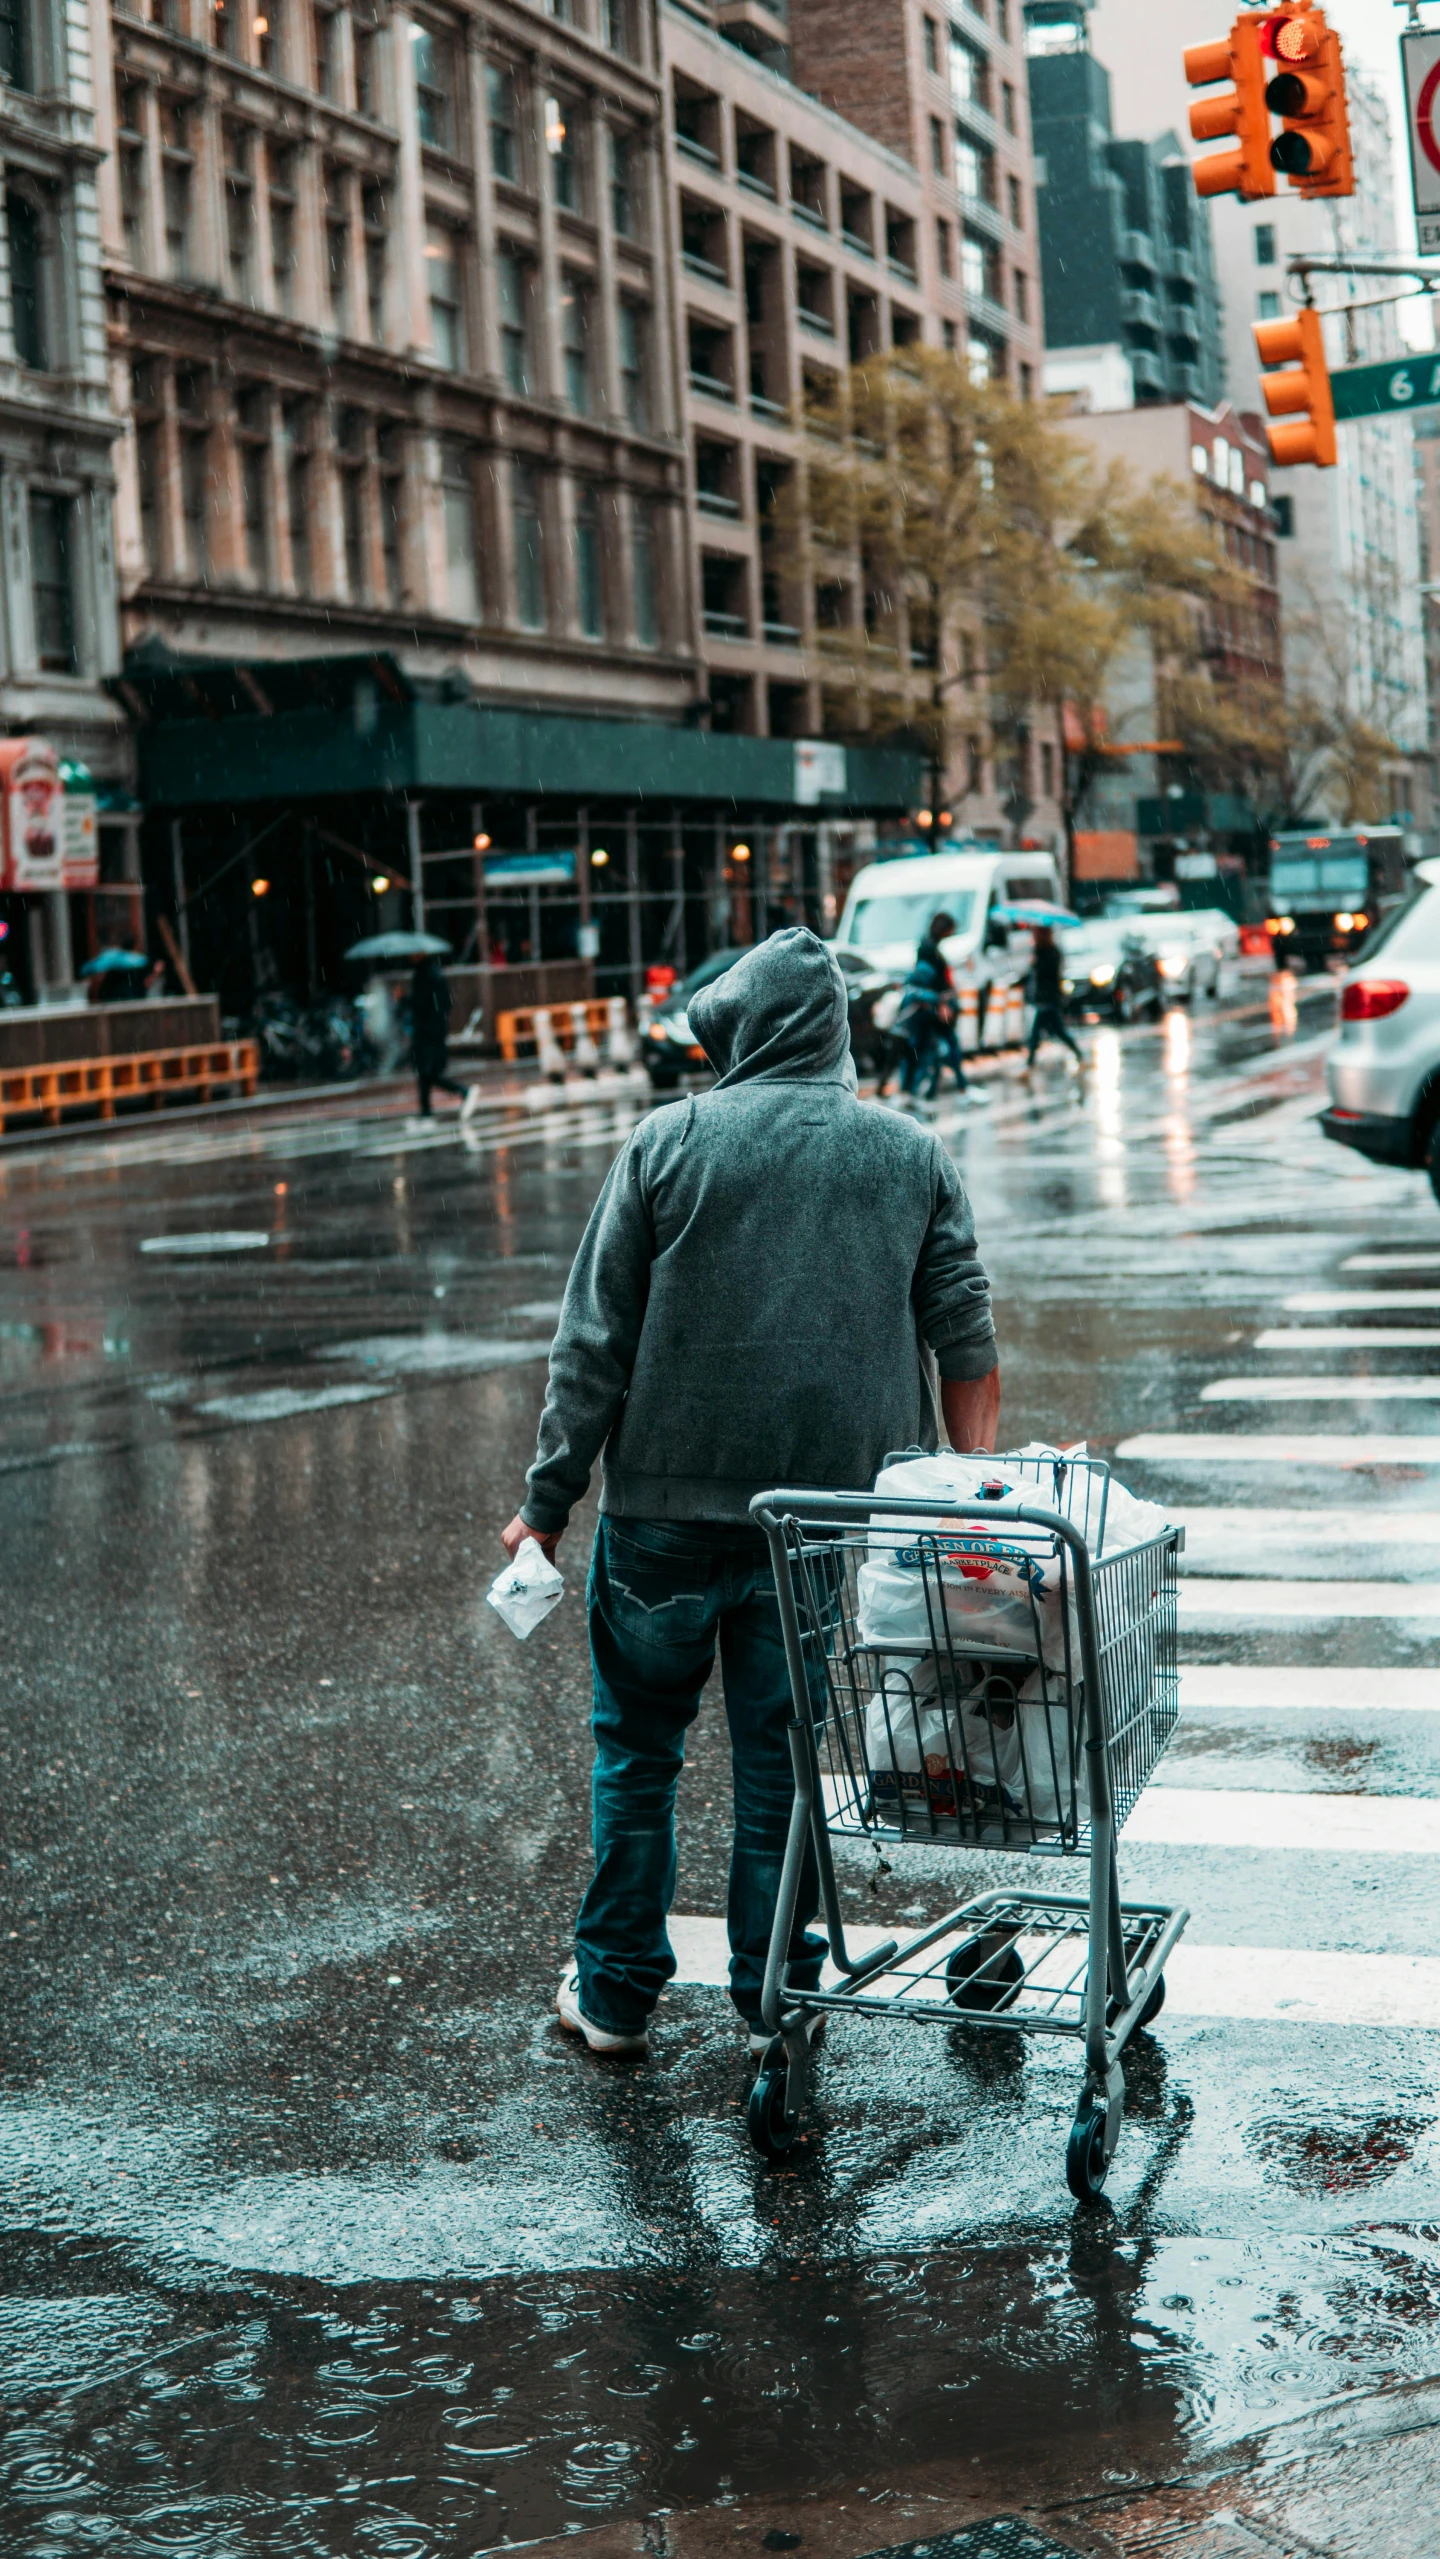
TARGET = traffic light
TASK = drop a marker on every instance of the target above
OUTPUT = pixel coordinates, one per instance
(1302, 398)
(1308, 93)
(1246, 171)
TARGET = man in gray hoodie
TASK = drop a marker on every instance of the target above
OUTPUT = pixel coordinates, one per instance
(772, 1277)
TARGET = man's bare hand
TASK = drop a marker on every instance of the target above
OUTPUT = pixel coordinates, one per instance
(971, 1406)
(513, 1538)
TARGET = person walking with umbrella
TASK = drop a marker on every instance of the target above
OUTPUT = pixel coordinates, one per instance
(430, 1031)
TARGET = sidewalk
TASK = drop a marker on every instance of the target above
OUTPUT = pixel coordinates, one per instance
(1353, 2480)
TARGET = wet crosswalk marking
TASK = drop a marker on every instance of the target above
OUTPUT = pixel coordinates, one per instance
(1322, 1390)
(1392, 1262)
(1247, 1688)
(1309, 1986)
(1210, 1532)
(1281, 1448)
(1210, 1604)
(1358, 1301)
(1325, 1825)
(1349, 1337)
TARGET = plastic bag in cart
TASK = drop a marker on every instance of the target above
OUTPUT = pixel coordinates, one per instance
(918, 1751)
(999, 1586)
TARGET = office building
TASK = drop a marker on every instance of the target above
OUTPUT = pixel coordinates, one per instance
(1125, 248)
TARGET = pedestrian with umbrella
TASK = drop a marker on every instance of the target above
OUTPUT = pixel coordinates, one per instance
(1049, 1021)
(116, 976)
(429, 1006)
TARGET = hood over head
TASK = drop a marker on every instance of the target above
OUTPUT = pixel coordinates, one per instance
(779, 1015)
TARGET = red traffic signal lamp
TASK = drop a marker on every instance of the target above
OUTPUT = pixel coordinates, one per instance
(1301, 397)
(1307, 91)
(1240, 57)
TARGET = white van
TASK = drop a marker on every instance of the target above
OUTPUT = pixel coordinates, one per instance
(890, 905)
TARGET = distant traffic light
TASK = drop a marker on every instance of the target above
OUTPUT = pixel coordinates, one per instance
(1308, 93)
(1246, 171)
(1302, 397)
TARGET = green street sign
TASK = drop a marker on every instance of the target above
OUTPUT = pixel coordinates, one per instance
(1379, 390)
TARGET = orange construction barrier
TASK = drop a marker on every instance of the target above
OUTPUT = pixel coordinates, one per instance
(157, 1075)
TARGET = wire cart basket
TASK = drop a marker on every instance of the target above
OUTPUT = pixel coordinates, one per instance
(985, 1676)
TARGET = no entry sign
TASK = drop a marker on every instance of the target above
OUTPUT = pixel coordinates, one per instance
(1420, 55)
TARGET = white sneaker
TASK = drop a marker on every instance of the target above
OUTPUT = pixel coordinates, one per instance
(471, 1103)
(980, 1095)
(760, 2042)
(575, 2022)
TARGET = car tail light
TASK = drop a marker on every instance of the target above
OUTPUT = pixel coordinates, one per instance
(1371, 998)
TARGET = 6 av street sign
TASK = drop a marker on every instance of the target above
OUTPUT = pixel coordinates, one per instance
(1379, 390)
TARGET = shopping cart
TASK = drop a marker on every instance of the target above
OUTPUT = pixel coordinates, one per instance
(983, 1675)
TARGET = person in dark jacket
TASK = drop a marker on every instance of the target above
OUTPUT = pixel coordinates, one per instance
(430, 1031)
(772, 1277)
(1046, 977)
(924, 1024)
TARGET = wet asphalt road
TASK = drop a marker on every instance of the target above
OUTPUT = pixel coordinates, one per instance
(317, 2236)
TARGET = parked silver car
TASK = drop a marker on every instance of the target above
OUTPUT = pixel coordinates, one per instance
(1384, 1070)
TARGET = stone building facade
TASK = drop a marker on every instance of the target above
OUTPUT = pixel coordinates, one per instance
(390, 328)
(58, 637)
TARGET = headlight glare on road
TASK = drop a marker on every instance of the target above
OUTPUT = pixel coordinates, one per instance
(1101, 976)
(1174, 964)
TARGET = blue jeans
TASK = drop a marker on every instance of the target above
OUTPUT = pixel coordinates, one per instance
(659, 1596)
(1050, 1024)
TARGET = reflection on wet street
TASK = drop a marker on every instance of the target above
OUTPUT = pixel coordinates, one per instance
(318, 2237)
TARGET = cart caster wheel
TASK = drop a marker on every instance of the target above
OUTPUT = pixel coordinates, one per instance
(1004, 1973)
(772, 2131)
(1085, 2160)
(1148, 2013)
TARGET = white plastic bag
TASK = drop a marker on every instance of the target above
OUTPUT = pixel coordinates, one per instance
(998, 1586)
(527, 1590)
(919, 1743)
(1043, 1741)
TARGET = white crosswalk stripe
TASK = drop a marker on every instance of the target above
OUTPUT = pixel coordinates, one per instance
(1248, 1688)
(1215, 1604)
(1359, 1301)
(1280, 1448)
(1304, 1986)
(1349, 1337)
(1322, 1390)
(1392, 1262)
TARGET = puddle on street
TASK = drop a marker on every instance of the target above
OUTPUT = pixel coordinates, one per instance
(454, 2418)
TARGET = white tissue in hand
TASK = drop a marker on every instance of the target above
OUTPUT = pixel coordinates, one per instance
(527, 1590)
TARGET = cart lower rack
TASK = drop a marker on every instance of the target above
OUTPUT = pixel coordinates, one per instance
(987, 1676)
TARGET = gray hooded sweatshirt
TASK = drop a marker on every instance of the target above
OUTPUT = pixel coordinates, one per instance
(766, 1275)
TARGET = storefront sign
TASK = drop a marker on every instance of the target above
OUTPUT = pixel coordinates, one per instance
(32, 815)
(81, 860)
(819, 771)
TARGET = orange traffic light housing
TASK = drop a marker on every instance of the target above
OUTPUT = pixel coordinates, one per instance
(1240, 57)
(1302, 397)
(1307, 92)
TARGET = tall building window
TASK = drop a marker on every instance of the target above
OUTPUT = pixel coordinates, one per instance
(1015, 204)
(560, 144)
(944, 245)
(225, 27)
(969, 73)
(1264, 244)
(252, 434)
(51, 584)
(193, 418)
(642, 572)
(236, 145)
(624, 208)
(337, 246)
(327, 53)
(617, 26)
(512, 278)
(1007, 107)
(634, 326)
(16, 64)
(365, 50)
(575, 341)
(431, 56)
(146, 408)
(973, 168)
(295, 450)
(589, 595)
(529, 542)
(447, 315)
(932, 45)
(1022, 295)
(975, 264)
(1268, 306)
(350, 464)
(937, 146)
(269, 33)
(390, 455)
(372, 215)
(504, 122)
(130, 146)
(282, 222)
(27, 282)
(178, 171)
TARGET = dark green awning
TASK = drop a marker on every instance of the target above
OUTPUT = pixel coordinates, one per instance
(228, 734)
